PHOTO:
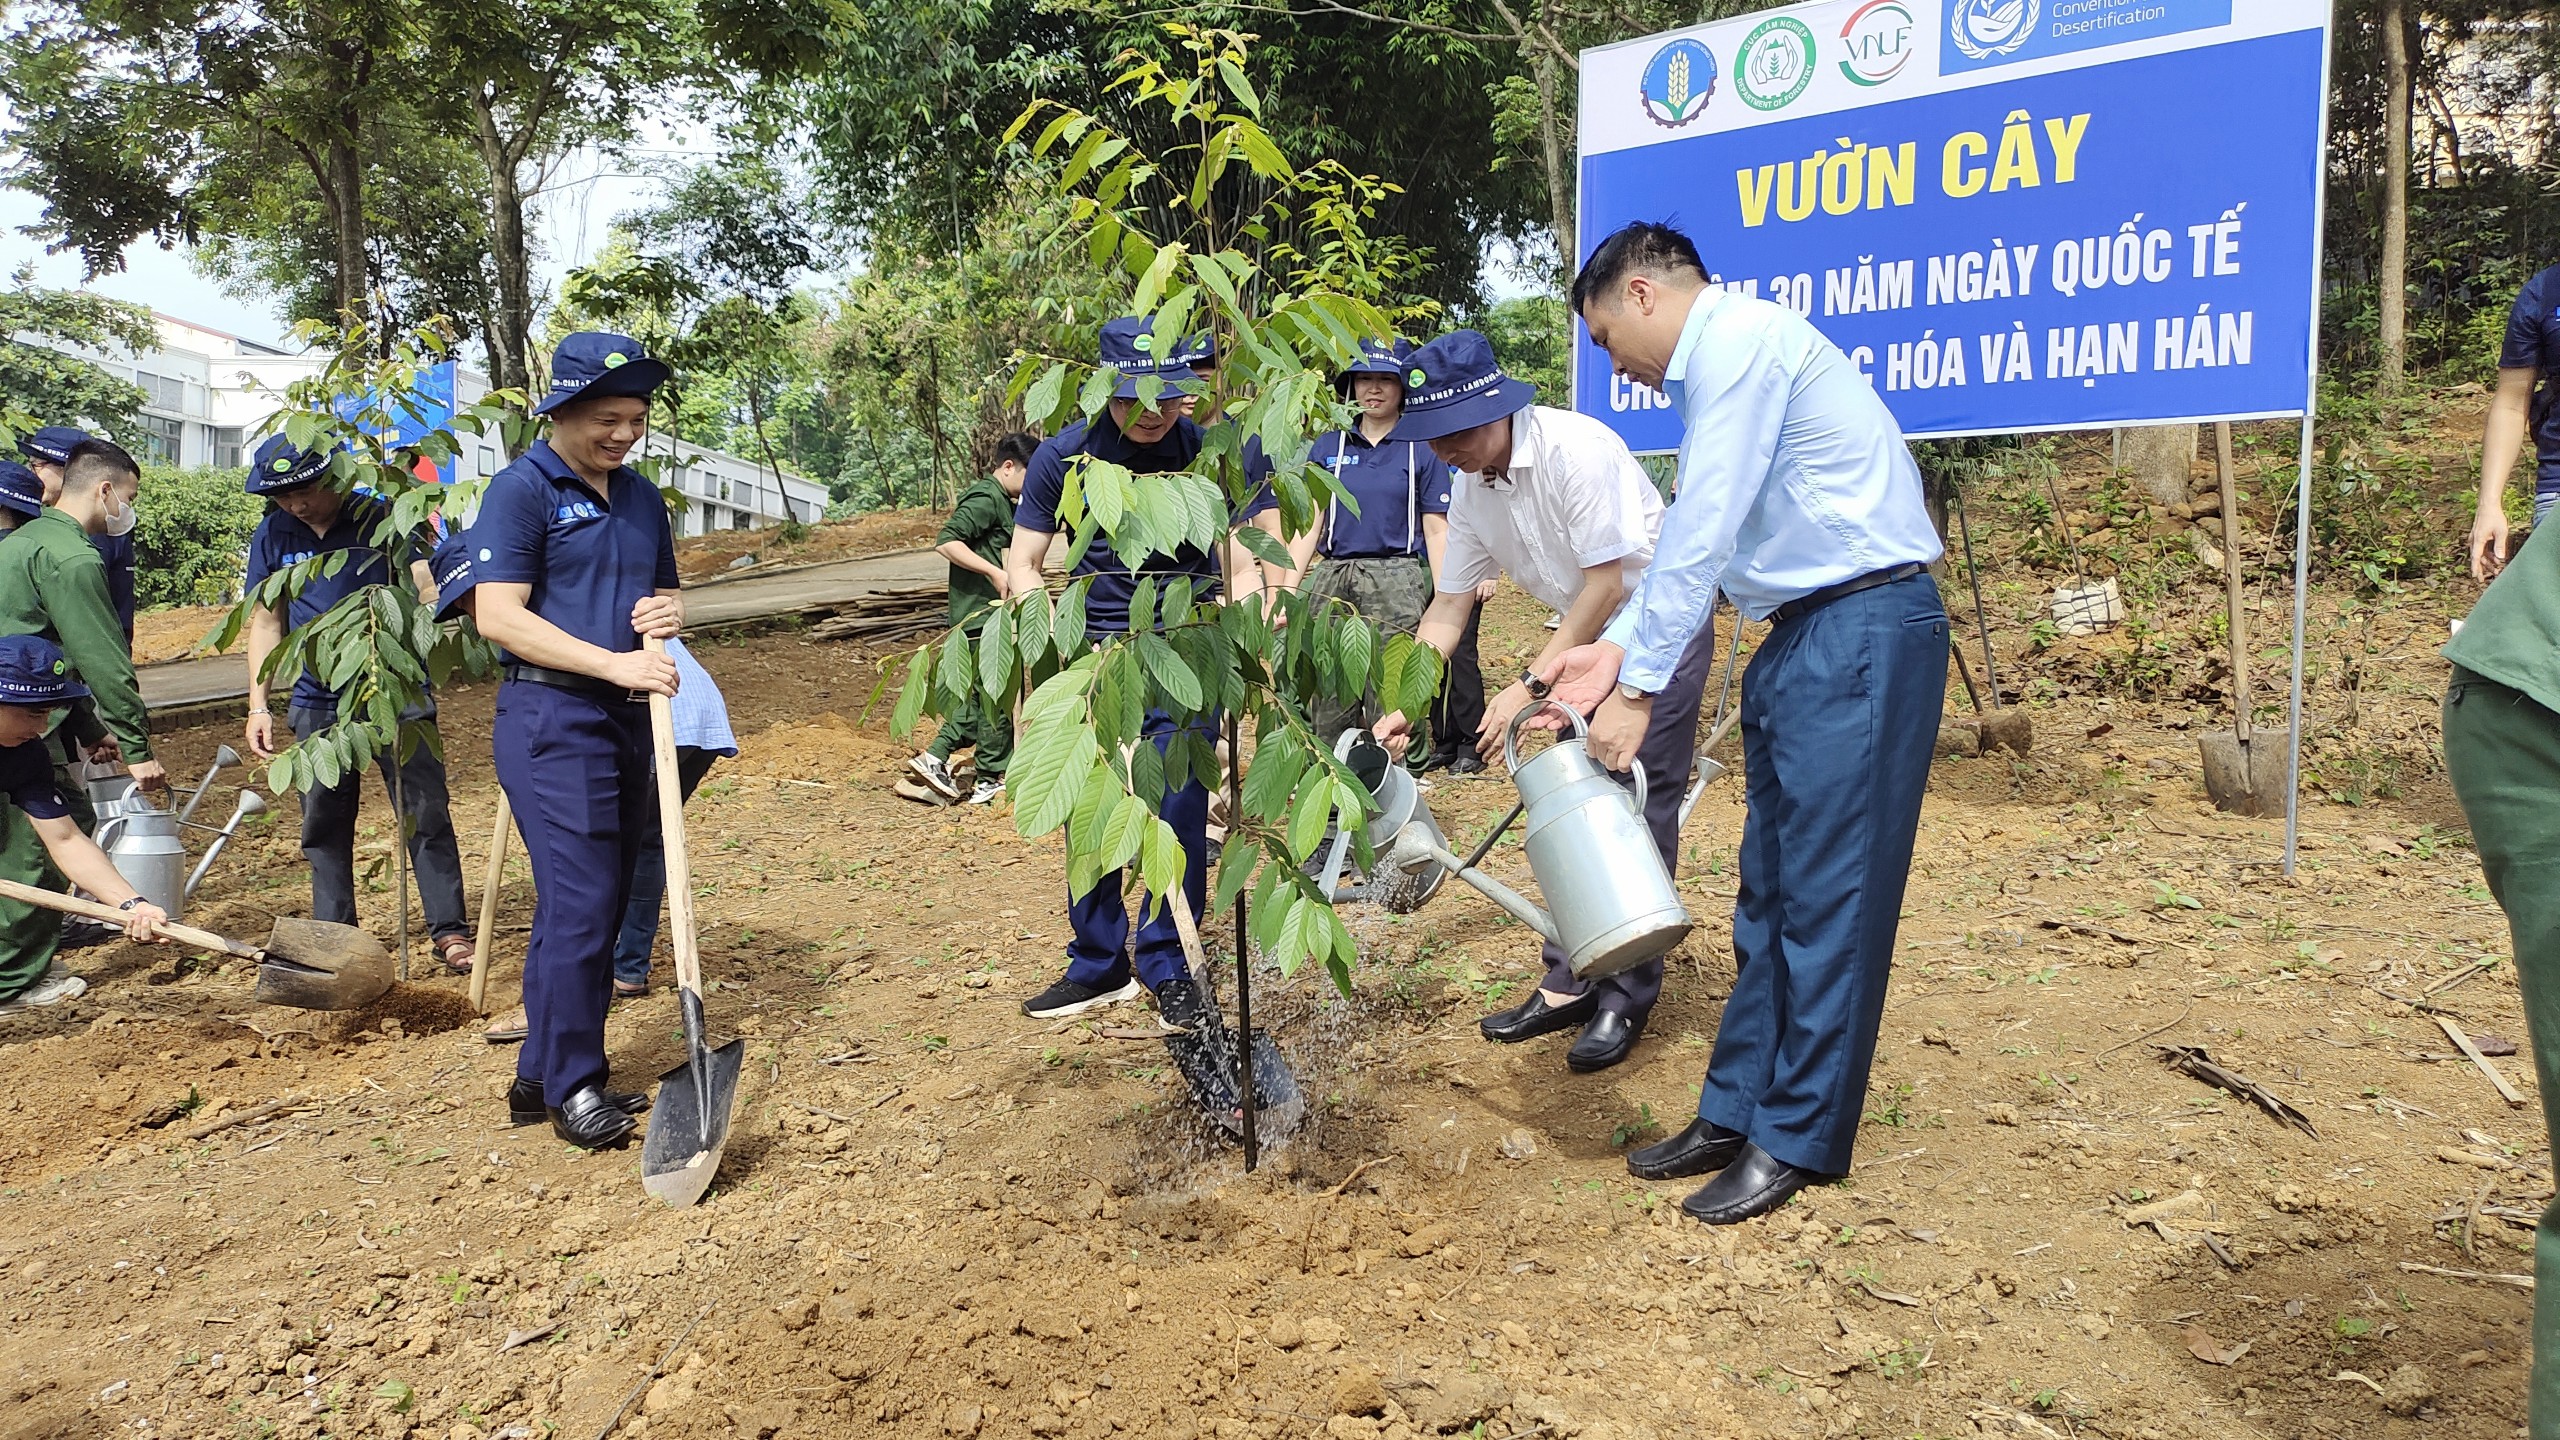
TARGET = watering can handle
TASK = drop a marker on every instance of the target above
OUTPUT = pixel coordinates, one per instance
(1581, 731)
(1511, 737)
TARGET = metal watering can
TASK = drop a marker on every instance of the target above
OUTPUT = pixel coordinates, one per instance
(143, 842)
(1614, 905)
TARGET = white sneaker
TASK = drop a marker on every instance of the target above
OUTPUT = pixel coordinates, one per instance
(55, 986)
(987, 790)
(934, 771)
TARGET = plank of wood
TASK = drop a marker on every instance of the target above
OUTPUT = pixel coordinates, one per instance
(2463, 1043)
(2521, 1282)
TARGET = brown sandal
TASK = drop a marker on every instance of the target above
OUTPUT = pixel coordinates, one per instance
(456, 952)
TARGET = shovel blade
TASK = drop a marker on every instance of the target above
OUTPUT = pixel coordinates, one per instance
(1207, 1062)
(689, 1125)
(320, 965)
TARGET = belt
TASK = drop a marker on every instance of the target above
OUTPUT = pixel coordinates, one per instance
(1375, 555)
(587, 685)
(1807, 604)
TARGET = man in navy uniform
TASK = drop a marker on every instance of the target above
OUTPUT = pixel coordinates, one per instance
(1148, 439)
(1800, 501)
(306, 517)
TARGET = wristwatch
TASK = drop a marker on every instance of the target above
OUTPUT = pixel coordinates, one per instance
(1634, 696)
(1538, 689)
(129, 904)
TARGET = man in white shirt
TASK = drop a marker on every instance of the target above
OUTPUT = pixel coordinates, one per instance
(1553, 500)
(1799, 499)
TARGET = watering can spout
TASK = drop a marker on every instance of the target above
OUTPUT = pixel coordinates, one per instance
(1500, 894)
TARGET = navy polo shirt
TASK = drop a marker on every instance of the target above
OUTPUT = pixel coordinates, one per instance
(588, 560)
(26, 778)
(282, 541)
(117, 551)
(1396, 484)
(2533, 343)
(1106, 608)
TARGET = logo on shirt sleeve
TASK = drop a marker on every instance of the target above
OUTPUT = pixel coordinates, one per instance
(575, 512)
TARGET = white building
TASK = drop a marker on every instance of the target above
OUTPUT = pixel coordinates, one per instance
(207, 396)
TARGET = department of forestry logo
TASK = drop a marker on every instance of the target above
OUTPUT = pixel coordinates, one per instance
(1876, 42)
(1984, 28)
(1774, 64)
(1678, 82)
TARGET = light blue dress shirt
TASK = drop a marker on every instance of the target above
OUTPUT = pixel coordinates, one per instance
(1793, 477)
(700, 715)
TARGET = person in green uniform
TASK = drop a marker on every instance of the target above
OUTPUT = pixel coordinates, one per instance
(973, 540)
(53, 583)
(38, 843)
(2502, 746)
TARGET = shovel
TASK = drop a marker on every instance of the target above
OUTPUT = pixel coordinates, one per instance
(2240, 780)
(307, 964)
(689, 1126)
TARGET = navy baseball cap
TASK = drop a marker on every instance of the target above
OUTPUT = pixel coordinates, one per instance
(281, 465)
(1376, 358)
(451, 565)
(1455, 384)
(52, 444)
(1200, 350)
(597, 364)
(33, 672)
(1130, 348)
(20, 491)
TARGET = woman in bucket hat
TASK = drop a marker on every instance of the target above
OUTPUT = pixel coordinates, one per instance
(573, 562)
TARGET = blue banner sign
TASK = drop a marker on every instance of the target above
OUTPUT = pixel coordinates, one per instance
(2012, 214)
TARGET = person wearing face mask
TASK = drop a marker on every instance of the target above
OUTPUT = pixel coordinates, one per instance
(47, 451)
(53, 583)
(573, 562)
(307, 517)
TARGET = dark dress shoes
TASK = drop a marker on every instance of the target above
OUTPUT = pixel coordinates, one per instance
(1605, 1042)
(1465, 762)
(1534, 1017)
(1704, 1147)
(524, 1102)
(1754, 1183)
(591, 1121)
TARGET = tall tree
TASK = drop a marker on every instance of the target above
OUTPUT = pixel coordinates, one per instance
(58, 388)
(2393, 283)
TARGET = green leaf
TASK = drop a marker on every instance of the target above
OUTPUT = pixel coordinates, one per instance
(1180, 685)
(1265, 546)
(1044, 799)
(1142, 607)
(1040, 403)
(1069, 633)
(1118, 843)
(1238, 86)
(1162, 865)
(954, 680)
(995, 654)
(1273, 776)
(911, 694)
(1358, 645)
(1031, 630)
(1309, 808)
(1235, 872)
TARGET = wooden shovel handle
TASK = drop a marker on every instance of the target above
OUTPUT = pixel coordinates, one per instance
(489, 904)
(2222, 471)
(184, 934)
(662, 735)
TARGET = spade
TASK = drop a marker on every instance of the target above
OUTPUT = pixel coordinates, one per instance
(307, 964)
(689, 1126)
(2242, 778)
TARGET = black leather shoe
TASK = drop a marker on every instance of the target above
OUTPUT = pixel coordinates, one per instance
(1534, 1017)
(524, 1102)
(1754, 1184)
(1605, 1042)
(1703, 1148)
(591, 1121)
(1466, 762)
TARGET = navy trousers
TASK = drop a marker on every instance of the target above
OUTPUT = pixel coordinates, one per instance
(576, 772)
(639, 933)
(1839, 721)
(1669, 748)
(1098, 955)
(329, 829)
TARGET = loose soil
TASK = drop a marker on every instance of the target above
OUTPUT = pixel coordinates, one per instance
(937, 1218)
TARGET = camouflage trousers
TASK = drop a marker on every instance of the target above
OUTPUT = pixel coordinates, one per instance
(1390, 592)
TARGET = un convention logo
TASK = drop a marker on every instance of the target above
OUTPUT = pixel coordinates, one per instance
(1678, 83)
(1984, 28)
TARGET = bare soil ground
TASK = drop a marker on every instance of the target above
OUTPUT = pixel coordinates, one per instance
(937, 1218)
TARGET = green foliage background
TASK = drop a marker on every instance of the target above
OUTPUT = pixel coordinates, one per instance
(191, 535)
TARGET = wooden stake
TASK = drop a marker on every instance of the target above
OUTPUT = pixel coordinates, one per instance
(2463, 1043)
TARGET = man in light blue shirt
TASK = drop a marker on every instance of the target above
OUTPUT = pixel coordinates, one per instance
(1799, 499)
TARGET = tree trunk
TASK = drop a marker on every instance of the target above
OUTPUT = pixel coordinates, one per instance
(2158, 456)
(1557, 155)
(346, 179)
(511, 344)
(2393, 328)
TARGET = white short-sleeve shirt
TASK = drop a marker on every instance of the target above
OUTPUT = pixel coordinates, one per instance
(1574, 499)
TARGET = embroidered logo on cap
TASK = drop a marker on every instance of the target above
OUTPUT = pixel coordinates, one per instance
(614, 359)
(1413, 376)
(59, 666)
(1143, 344)
(281, 465)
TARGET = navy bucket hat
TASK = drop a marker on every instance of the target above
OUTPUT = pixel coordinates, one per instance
(20, 491)
(52, 444)
(1376, 358)
(594, 364)
(1455, 384)
(281, 465)
(33, 672)
(451, 565)
(1129, 347)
